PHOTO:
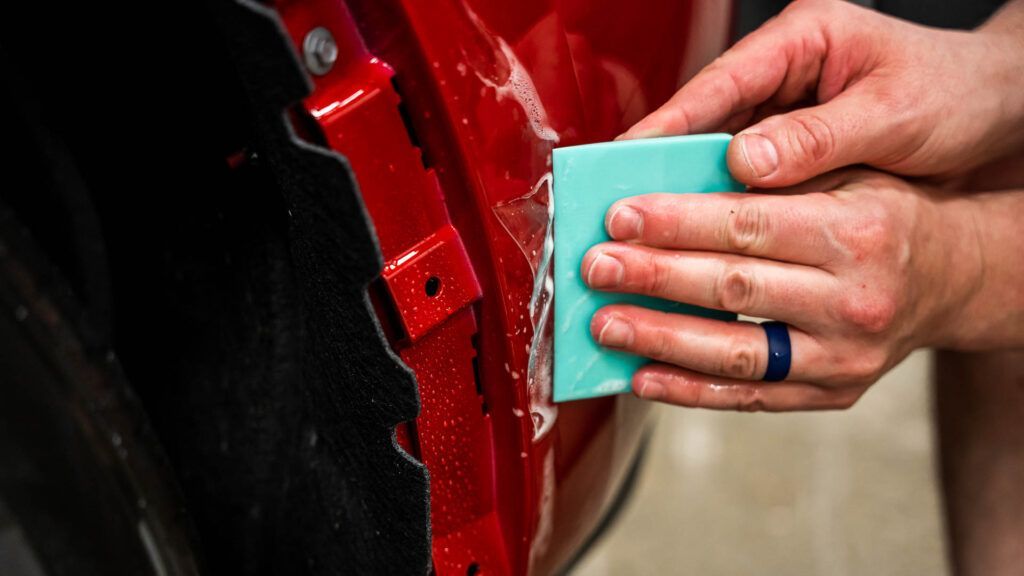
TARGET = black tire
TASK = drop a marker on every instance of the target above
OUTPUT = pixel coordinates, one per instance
(84, 487)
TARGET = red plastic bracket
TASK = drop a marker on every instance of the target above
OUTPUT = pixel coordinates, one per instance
(431, 281)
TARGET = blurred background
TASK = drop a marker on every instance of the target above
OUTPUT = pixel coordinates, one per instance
(839, 493)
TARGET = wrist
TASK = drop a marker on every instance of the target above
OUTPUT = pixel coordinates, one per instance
(951, 272)
(983, 305)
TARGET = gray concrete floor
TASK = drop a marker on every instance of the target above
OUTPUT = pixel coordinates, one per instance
(837, 493)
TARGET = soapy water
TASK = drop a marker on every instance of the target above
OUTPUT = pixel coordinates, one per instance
(528, 220)
(517, 86)
(520, 88)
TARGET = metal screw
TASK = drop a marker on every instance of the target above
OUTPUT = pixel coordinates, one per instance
(319, 50)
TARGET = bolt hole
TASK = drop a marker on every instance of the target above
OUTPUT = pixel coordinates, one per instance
(433, 286)
(473, 569)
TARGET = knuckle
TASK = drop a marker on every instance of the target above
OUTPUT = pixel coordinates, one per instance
(738, 290)
(868, 233)
(750, 400)
(657, 275)
(660, 344)
(679, 118)
(870, 313)
(731, 88)
(740, 361)
(747, 227)
(811, 138)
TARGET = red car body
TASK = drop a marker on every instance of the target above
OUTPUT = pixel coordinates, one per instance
(447, 111)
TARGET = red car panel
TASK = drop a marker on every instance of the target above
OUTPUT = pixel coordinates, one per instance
(448, 111)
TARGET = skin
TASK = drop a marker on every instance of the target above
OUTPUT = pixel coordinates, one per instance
(828, 84)
(852, 271)
(863, 266)
(979, 403)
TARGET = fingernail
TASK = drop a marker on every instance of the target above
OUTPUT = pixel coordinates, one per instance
(651, 389)
(605, 272)
(759, 153)
(616, 333)
(625, 223)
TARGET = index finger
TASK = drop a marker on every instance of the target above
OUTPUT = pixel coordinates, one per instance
(785, 228)
(762, 65)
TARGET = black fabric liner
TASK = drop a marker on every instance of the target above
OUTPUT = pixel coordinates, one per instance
(239, 307)
(375, 498)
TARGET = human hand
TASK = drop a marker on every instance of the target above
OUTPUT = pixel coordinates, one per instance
(829, 84)
(863, 273)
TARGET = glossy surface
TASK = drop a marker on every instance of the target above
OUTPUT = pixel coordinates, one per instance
(587, 181)
(487, 89)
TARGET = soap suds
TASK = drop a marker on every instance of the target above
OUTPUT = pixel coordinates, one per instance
(518, 86)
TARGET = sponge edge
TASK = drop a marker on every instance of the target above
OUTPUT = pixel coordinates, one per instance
(587, 180)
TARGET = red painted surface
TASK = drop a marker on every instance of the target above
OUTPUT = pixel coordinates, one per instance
(489, 86)
(430, 282)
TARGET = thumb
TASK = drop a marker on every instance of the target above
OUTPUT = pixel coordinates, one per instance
(790, 148)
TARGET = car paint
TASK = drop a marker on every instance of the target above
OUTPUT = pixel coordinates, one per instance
(448, 111)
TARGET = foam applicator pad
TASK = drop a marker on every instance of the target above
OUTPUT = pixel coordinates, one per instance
(588, 179)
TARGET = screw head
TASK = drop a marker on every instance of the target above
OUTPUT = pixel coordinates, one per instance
(319, 51)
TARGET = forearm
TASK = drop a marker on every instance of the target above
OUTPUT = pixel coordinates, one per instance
(979, 407)
(1002, 78)
(1009, 20)
(992, 314)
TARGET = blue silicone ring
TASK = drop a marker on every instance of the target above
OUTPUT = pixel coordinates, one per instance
(779, 352)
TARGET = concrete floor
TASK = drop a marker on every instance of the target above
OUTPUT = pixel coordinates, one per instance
(838, 493)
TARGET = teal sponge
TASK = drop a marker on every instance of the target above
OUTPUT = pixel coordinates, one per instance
(587, 180)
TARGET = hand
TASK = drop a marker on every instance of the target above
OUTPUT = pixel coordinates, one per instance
(884, 92)
(863, 274)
